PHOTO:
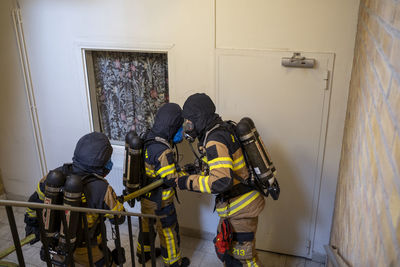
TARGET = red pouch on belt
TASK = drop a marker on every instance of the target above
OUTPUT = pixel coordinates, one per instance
(223, 240)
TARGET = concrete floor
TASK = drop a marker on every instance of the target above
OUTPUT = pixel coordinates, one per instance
(201, 252)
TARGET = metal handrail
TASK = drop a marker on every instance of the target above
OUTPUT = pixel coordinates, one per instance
(68, 260)
(77, 209)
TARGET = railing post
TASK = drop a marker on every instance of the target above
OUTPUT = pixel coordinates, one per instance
(131, 241)
(152, 241)
(15, 236)
(43, 237)
(118, 241)
(104, 239)
(141, 242)
(70, 257)
(88, 245)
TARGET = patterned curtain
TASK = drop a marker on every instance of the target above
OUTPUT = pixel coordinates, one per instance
(130, 87)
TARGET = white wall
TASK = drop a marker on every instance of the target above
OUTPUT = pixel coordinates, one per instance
(55, 29)
(19, 166)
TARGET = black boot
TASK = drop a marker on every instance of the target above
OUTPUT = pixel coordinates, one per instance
(185, 262)
(147, 255)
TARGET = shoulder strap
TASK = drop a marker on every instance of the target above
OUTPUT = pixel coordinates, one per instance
(208, 132)
(159, 140)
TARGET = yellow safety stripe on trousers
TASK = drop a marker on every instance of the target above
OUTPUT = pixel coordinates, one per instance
(252, 263)
(222, 162)
(118, 207)
(164, 171)
(239, 163)
(203, 182)
(31, 213)
(173, 260)
(166, 194)
(170, 242)
(238, 204)
(91, 219)
(139, 247)
(39, 192)
(150, 172)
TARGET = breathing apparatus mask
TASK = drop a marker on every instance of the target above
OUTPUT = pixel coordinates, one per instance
(178, 137)
(108, 167)
(189, 131)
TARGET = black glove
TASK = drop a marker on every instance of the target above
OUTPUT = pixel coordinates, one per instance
(190, 168)
(170, 182)
(30, 229)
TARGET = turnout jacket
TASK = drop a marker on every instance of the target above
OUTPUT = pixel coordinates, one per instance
(159, 161)
(227, 166)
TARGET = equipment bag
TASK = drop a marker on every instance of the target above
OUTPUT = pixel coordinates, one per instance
(223, 239)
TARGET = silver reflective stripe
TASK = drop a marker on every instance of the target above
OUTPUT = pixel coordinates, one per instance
(237, 205)
(169, 242)
(238, 163)
(247, 136)
(265, 174)
(72, 195)
(203, 182)
(166, 170)
(52, 189)
(220, 162)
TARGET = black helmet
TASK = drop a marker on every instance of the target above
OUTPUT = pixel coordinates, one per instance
(167, 122)
(200, 110)
(92, 152)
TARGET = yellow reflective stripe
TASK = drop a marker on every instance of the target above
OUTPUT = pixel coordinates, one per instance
(118, 207)
(220, 159)
(207, 186)
(167, 194)
(203, 182)
(31, 213)
(238, 204)
(182, 173)
(168, 241)
(252, 263)
(173, 260)
(204, 159)
(139, 247)
(40, 193)
(164, 171)
(201, 178)
(173, 243)
(91, 219)
(239, 163)
(222, 162)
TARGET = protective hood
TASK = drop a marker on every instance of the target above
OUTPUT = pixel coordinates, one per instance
(92, 152)
(200, 110)
(167, 122)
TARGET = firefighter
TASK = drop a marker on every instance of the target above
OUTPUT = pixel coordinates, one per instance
(91, 162)
(237, 204)
(160, 162)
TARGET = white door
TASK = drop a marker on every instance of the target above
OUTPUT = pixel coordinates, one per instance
(289, 107)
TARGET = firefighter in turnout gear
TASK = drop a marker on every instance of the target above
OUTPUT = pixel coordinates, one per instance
(90, 164)
(224, 167)
(160, 163)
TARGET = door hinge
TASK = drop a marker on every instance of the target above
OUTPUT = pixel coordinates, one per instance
(326, 80)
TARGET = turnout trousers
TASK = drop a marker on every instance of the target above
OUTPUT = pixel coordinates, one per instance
(167, 227)
(242, 213)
